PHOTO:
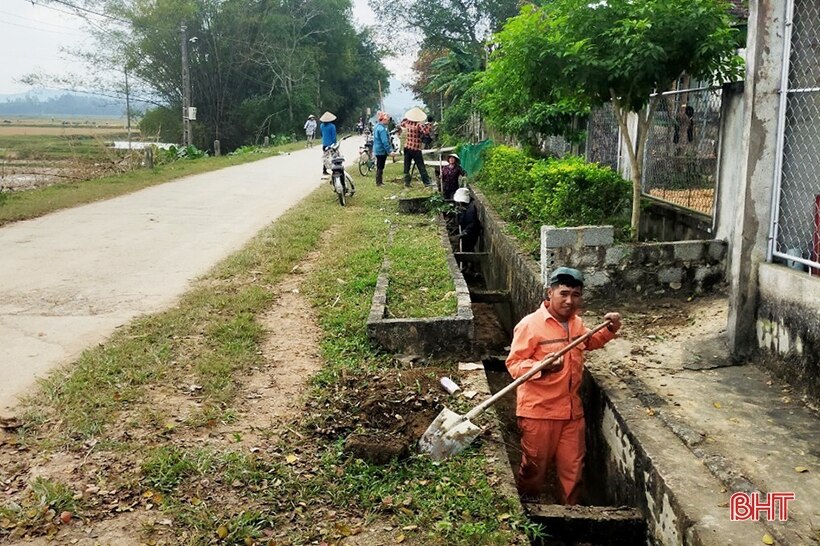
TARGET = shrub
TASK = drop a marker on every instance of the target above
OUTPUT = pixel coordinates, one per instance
(572, 192)
(506, 169)
(561, 192)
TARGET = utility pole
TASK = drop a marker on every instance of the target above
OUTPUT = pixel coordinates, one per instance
(186, 90)
(127, 105)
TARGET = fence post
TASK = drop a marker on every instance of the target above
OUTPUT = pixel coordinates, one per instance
(266, 142)
(149, 157)
(217, 149)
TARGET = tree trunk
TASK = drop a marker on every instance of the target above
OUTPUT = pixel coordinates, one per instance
(636, 153)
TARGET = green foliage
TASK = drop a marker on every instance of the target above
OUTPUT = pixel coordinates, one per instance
(165, 123)
(559, 192)
(572, 192)
(184, 152)
(506, 170)
(615, 50)
(257, 67)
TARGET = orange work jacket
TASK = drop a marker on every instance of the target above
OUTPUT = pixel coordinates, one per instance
(554, 395)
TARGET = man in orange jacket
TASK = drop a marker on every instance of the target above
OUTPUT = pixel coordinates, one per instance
(549, 409)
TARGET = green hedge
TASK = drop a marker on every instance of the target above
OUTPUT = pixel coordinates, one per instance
(561, 192)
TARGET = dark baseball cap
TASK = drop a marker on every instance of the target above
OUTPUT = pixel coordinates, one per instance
(555, 276)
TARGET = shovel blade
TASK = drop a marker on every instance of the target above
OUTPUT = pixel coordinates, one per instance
(448, 434)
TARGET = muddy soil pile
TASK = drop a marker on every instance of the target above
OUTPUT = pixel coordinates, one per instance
(380, 416)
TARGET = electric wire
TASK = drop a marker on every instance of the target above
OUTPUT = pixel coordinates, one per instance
(39, 29)
(29, 19)
(80, 9)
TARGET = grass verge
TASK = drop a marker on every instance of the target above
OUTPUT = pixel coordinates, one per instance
(124, 412)
(24, 205)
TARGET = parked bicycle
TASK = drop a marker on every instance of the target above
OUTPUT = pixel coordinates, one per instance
(367, 161)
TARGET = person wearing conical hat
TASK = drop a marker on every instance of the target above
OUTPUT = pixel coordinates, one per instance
(450, 174)
(328, 134)
(413, 125)
(310, 130)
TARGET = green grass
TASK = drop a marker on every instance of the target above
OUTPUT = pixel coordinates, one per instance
(212, 337)
(420, 281)
(24, 205)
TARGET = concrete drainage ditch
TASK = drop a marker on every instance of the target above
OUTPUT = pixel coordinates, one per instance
(633, 492)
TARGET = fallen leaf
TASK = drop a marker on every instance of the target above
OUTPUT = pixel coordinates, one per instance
(66, 516)
(290, 459)
(343, 529)
(650, 412)
(400, 539)
(800, 469)
(717, 405)
(222, 531)
(409, 527)
(767, 539)
(504, 517)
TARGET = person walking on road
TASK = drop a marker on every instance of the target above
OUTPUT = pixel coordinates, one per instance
(412, 125)
(310, 130)
(549, 409)
(328, 136)
(381, 146)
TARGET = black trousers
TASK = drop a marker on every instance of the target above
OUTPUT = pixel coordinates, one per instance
(410, 156)
(380, 162)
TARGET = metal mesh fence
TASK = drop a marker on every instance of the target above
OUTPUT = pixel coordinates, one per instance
(680, 161)
(603, 137)
(797, 220)
(555, 146)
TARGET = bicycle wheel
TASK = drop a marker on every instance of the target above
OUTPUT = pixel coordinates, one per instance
(364, 164)
(339, 188)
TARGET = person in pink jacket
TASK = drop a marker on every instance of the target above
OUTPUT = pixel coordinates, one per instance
(549, 410)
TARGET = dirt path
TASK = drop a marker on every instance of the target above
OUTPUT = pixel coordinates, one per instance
(268, 400)
(67, 280)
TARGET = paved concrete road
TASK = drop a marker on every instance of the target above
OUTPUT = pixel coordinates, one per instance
(67, 280)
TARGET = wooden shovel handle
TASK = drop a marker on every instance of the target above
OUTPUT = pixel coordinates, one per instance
(535, 369)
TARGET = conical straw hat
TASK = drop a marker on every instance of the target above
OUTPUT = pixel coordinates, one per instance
(327, 117)
(416, 114)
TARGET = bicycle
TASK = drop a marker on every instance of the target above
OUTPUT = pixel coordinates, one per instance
(367, 161)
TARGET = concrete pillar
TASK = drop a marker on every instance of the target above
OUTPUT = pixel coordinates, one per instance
(149, 157)
(217, 149)
(764, 61)
(266, 142)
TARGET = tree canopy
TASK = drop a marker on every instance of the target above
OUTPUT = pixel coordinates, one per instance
(568, 55)
(256, 66)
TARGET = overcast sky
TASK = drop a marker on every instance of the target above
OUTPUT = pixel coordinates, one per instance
(31, 38)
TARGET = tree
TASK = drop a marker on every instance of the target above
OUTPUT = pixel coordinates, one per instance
(576, 54)
(256, 66)
(451, 35)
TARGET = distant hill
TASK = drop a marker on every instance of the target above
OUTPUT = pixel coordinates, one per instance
(66, 104)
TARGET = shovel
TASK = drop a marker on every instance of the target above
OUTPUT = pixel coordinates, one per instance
(451, 433)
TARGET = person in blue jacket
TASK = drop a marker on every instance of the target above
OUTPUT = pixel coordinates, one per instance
(328, 135)
(381, 146)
